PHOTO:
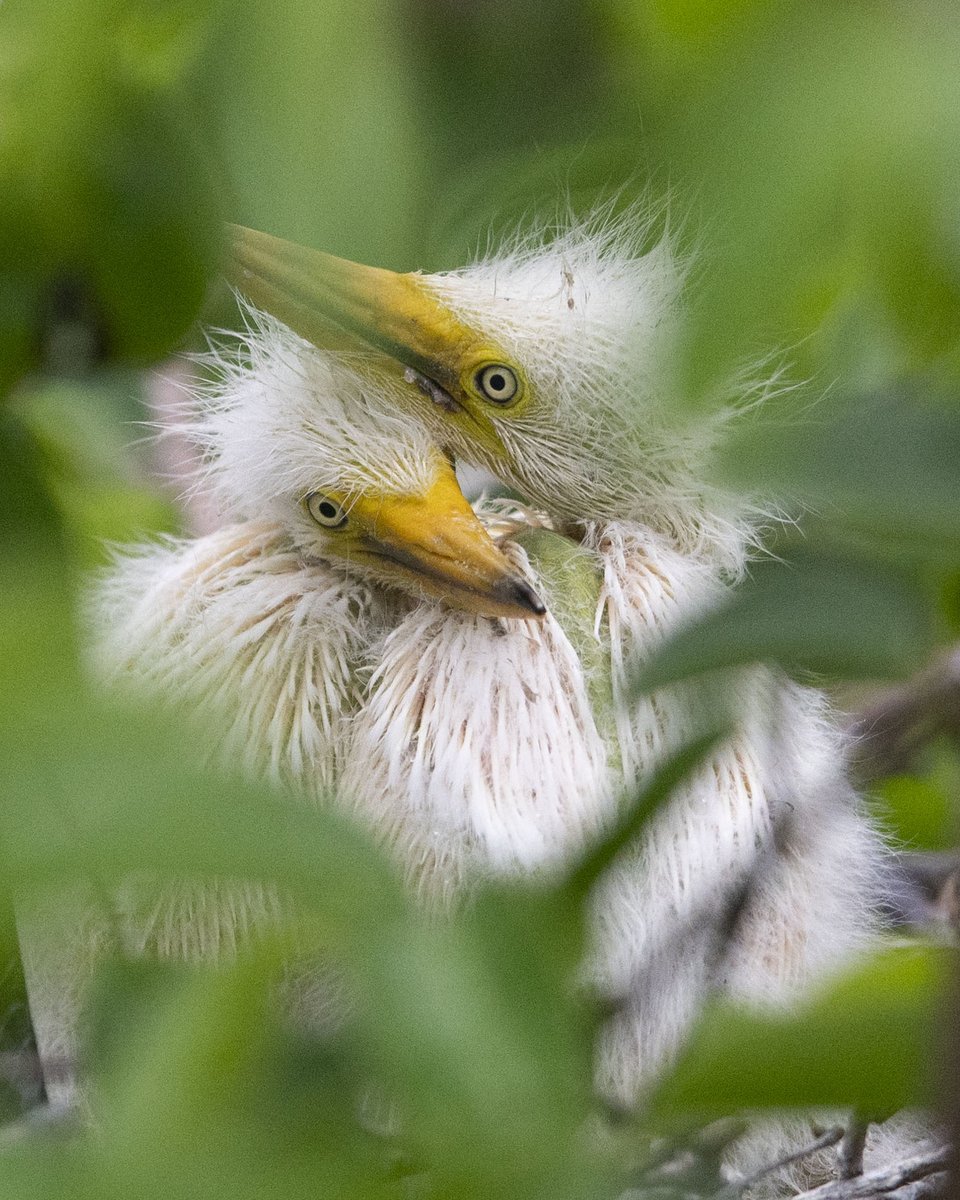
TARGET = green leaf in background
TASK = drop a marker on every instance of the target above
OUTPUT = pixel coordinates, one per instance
(111, 218)
(38, 655)
(21, 1084)
(402, 133)
(105, 487)
(919, 813)
(315, 106)
(536, 193)
(814, 612)
(818, 142)
(864, 1043)
(205, 1076)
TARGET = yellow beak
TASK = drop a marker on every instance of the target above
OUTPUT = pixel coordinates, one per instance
(340, 305)
(431, 543)
(434, 544)
(322, 298)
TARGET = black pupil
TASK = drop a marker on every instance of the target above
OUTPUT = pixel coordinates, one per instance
(496, 383)
(327, 509)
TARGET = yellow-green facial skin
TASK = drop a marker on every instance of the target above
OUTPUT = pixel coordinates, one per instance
(458, 379)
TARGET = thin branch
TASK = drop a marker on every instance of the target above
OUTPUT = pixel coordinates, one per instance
(829, 1138)
(930, 1168)
(891, 731)
(852, 1147)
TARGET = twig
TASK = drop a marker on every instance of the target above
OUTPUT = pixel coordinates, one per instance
(851, 1148)
(829, 1138)
(901, 721)
(929, 1168)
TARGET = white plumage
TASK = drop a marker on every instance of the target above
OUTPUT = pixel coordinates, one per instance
(477, 750)
(477, 746)
(584, 324)
(266, 644)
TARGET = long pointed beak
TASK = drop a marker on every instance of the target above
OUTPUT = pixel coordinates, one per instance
(336, 304)
(435, 544)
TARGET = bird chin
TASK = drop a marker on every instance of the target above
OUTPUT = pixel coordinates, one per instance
(509, 597)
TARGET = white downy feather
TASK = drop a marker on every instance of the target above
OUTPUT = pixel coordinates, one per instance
(476, 752)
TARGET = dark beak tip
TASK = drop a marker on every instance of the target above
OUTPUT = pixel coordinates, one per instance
(519, 592)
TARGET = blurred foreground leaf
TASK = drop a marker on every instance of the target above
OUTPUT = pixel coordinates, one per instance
(865, 1043)
(38, 663)
(449, 1019)
(816, 612)
(100, 483)
(21, 1086)
(109, 227)
(886, 466)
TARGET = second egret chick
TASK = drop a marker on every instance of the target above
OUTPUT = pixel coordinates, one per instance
(338, 519)
(337, 516)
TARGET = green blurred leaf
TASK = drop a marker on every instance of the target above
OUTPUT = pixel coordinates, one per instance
(479, 69)
(37, 637)
(865, 1043)
(112, 217)
(97, 794)
(102, 791)
(203, 1056)
(491, 1092)
(918, 813)
(819, 141)
(104, 487)
(816, 612)
(641, 810)
(886, 466)
(449, 1019)
(162, 41)
(21, 1087)
(319, 136)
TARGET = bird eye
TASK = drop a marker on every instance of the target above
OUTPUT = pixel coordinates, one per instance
(498, 383)
(325, 511)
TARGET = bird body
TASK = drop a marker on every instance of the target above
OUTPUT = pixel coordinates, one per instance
(269, 646)
(260, 631)
(544, 363)
(473, 743)
(544, 759)
(477, 752)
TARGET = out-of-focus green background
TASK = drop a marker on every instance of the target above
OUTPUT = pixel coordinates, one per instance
(808, 153)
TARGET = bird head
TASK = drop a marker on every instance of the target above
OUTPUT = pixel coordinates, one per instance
(541, 362)
(291, 435)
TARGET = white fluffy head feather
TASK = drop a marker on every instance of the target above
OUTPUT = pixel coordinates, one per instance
(278, 419)
(591, 317)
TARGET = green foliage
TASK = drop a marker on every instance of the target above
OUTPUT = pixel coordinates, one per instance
(812, 612)
(873, 1049)
(110, 219)
(815, 146)
(919, 811)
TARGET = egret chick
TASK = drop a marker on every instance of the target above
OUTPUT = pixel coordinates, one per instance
(340, 519)
(544, 363)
